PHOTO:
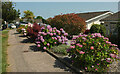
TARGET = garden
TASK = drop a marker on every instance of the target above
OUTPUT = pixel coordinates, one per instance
(89, 51)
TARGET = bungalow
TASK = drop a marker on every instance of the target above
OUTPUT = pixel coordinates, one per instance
(94, 17)
(110, 23)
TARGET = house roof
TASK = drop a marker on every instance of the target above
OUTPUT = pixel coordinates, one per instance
(114, 17)
(89, 15)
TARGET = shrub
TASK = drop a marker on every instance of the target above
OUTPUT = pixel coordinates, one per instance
(19, 30)
(71, 23)
(96, 28)
(61, 49)
(32, 32)
(23, 28)
(87, 32)
(49, 37)
(93, 52)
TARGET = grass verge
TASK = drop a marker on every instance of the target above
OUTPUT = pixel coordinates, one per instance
(4, 49)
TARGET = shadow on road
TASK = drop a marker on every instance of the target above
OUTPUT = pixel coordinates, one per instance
(22, 36)
(16, 33)
(35, 48)
(27, 41)
(58, 64)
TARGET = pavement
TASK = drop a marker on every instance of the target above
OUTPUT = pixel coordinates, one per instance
(23, 58)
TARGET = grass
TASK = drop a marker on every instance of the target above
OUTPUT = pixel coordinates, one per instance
(61, 49)
(4, 49)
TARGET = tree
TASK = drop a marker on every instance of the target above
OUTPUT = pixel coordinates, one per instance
(29, 15)
(71, 23)
(9, 13)
(96, 28)
(39, 17)
(43, 20)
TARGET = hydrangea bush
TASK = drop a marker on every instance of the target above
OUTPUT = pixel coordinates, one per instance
(93, 52)
(49, 37)
(23, 28)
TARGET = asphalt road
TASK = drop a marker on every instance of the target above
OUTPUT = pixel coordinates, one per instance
(22, 58)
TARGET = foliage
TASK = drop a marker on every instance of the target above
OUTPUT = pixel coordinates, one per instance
(19, 30)
(96, 28)
(118, 28)
(29, 15)
(49, 37)
(93, 52)
(23, 29)
(87, 32)
(9, 13)
(32, 32)
(71, 23)
(61, 49)
(39, 17)
(43, 20)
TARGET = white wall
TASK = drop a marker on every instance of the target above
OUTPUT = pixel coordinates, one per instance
(89, 24)
(96, 20)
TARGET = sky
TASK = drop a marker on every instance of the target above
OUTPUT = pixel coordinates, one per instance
(50, 9)
(64, 0)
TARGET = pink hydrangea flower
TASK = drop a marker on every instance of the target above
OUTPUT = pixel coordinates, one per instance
(98, 64)
(44, 48)
(58, 37)
(81, 52)
(54, 33)
(50, 30)
(38, 45)
(86, 68)
(112, 55)
(25, 33)
(96, 69)
(61, 29)
(66, 34)
(48, 26)
(52, 37)
(51, 34)
(54, 28)
(55, 42)
(72, 46)
(48, 44)
(42, 40)
(55, 38)
(38, 42)
(79, 45)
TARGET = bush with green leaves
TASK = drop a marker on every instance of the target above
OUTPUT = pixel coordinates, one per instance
(49, 37)
(93, 52)
(96, 28)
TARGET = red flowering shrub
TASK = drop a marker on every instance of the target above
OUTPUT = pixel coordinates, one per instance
(71, 23)
(32, 32)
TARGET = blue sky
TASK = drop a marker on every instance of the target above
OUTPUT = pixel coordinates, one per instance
(65, 0)
(50, 9)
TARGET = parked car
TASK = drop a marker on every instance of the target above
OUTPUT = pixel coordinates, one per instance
(13, 26)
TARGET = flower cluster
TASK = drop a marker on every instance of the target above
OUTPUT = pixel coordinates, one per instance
(23, 28)
(94, 52)
(49, 37)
